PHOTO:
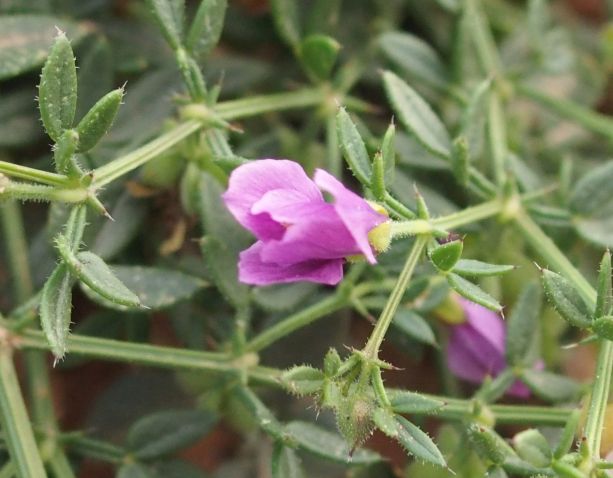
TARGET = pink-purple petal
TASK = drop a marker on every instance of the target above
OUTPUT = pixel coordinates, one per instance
(354, 211)
(253, 270)
(249, 182)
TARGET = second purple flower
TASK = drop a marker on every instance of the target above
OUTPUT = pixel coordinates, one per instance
(301, 237)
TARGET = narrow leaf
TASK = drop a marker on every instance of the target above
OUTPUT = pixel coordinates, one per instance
(353, 147)
(593, 193)
(550, 386)
(166, 432)
(169, 16)
(418, 443)
(285, 15)
(302, 379)
(318, 54)
(206, 27)
(488, 444)
(285, 463)
(98, 120)
(472, 292)
(417, 116)
(533, 447)
(55, 309)
(604, 300)
(566, 299)
(523, 326)
(414, 326)
(388, 153)
(327, 445)
(57, 92)
(473, 268)
(445, 256)
(411, 402)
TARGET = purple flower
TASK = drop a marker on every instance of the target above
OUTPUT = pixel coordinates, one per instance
(301, 237)
(477, 347)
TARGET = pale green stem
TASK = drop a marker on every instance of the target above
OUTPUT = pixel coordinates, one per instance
(15, 421)
(120, 166)
(31, 174)
(470, 215)
(255, 105)
(371, 350)
(298, 320)
(37, 192)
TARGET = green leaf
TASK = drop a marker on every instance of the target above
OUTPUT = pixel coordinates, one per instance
(418, 443)
(604, 299)
(55, 309)
(95, 73)
(488, 444)
(134, 470)
(603, 326)
(147, 282)
(93, 272)
(286, 17)
(388, 153)
(318, 54)
(473, 119)
(460, 160)
(550, 386)
(57, 92)
(222, 265)
(377, 180)
(415, 57)
(283, 297)
(567, 438)
(98, 120)
(533, 447)
(167, 432)
(206, 27)
(285, 463)
(19, 118)
(302, 380)
(328, 445)
(385, 421)
(169, 16)
(472, 268)
(566, 299)
(63, 153)
(177, 469)
(353, 147)
(597, 230)
(523, 327)
(26, 40)
(411, 402)
(417, 116)
(445, 256)
(472, 292)
(414, 326)
(593, 193)
(264, 417)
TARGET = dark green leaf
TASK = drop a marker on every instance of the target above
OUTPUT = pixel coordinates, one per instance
(177, 469)
(445, 256)
(417, 116)
(302, 380)
(415, 326)
(533, 447)
(134, 470)
(353, 147)
(460, 160)
(604, 299)
(593, 194)
(472, 292)
(57, 92)
(415, 57)
(488, 444)
(285, 463)
(19, 118)
(55, 309)
(286, 16)
(523, 327)
(566, 299)
(147, 282)
(206, 27)
(472, 268)
(550, 386)
(418, 443)
(167, 432)
(93, 272)
(603, 326)
(597, 230)
(98, 120)
(26, 40)
(318, 54)
(95, 73)
(169, 16)
(328, 445)
(411, 402)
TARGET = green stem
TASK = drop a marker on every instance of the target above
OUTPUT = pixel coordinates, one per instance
(31, 174)
(93, 448)
(298, 320)
(16, 250)
(497, 137)
(255, 105)
(587, 118)
(8, 470)
(124, 164)
(470, 215)
(37, 192)
(371, 350)
(604, 365)
(15, 421)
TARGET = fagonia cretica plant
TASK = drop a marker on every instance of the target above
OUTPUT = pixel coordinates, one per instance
(339, 227)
